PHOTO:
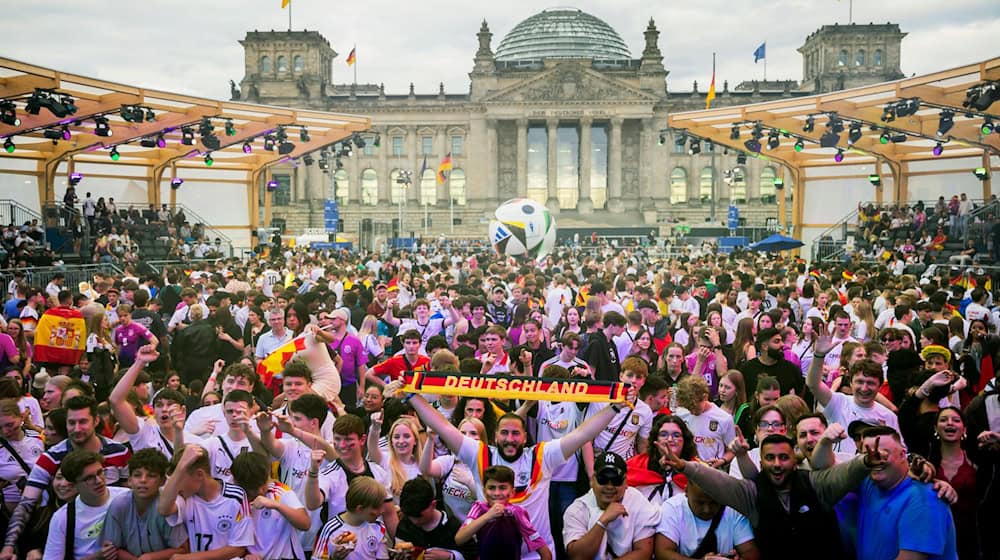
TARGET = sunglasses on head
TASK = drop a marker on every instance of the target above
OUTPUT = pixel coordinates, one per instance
(609, 477)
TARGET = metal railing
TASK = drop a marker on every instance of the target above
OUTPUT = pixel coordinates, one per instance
(979, 222)
(40, 276)
(13, 212)
(145, 214)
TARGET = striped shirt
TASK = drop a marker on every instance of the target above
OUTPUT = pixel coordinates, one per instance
(115, 455)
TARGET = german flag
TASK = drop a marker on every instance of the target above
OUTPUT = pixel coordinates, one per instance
(442, 168)
(352, 58)
(285, 3)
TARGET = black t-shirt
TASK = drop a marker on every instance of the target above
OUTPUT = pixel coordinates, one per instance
(789, 376)
(442, 536)
(602, 356)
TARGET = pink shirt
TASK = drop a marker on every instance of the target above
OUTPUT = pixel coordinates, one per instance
(532, 538)
(7, 350)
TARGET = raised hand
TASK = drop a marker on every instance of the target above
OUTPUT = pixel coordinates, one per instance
(264, 421)
(739, 445)
(316, 457)
(147, 355)
(874, 456)
(218, 366)
(669, 459)
(191, 454)
(393, 388)
(525, 357)
(177, 416)
(834, 433)
(825, 343)
(284, 423)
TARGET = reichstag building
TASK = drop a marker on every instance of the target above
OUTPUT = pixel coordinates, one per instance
(559, 111)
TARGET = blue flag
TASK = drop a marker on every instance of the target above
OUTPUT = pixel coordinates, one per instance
(760, 52)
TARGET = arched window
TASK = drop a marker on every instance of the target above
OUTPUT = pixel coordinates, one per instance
(282, 64)
(428, 187)
(342, 186)
(768, 194)
(738, 185)
(842, 61)
(457, 183)
(877, 57)
(297, 64)
(678, 186)
(859, 59)
(369, 187)
(395, 189)
(265, 64)
(705, 185)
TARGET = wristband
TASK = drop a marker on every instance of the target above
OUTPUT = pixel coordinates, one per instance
(407, 398)
(313, 474)
(602, 525)
(820, 356)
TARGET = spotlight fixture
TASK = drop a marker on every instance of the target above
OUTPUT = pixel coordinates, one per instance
(779, 183)
(378, 140)
(101, 127)
(161, 142)
(69, 104)
(303, 135)
(187, 136)
(810, 124)
(230, 128)
(272, 185)
(115, 156)
(875, 180)
(247, 147)
(132, 113)
(307, 160)
(324, 164)
(836, 124)
(8, 113)
(695, 147)
(45, 99)
(741, 159)
(753, 145)
(208, 159)
(946, 120)
(53, 134)
(150, 115)
(898, 137)
(280, 134)
(839, 156)
(358, 139)
(8, 145)
(269, 143)
(854, 134)
(734, 132)
(829, 139)
(988, 126)
(662, 140)
(340, 164)
(938, 149)
(211, 142)
(148, 142)
(979, 172)
(205, 126)
(176, 183)
(682, 139)
(980, 97)
(907, 107)
(66, 134)
(773, 140)
(889, 114)
(884, 137)
(75, 178)
(799, 145)
(286, 148)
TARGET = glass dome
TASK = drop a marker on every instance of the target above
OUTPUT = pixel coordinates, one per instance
(562, 33)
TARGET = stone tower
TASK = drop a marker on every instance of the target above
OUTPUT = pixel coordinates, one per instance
(286, 68)
(837, 57)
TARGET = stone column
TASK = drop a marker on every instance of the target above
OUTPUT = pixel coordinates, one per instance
(354, 167)
(615, 203)
(522, 157)
(299, 188)
(440, 148)
(585, 204)
(413, 193)
(492, 154)
(315, 184)
(658, 165)
(384, 181)
(552, 127)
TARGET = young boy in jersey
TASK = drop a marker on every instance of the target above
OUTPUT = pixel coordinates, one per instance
(133, 525)
(409, 360)
(356, 534)
(278, 515)
(499, 526)
(216, 513)
(222, 450)
(85, 469)
(633, 437)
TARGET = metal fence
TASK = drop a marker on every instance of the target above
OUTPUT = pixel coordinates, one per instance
(74, 274)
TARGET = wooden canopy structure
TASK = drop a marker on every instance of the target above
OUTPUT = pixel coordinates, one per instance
(891, 128)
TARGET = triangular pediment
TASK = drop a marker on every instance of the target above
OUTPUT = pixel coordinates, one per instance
(570, 82)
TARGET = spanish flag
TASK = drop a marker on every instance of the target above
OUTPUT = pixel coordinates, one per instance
(285, 3)
(269, 369)
(60, 336)
(352, 58)
(444, 166)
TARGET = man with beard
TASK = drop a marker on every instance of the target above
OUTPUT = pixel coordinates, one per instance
(81, 424)
(771, 361)
(791, 511)
(865, 378)
(532, 465)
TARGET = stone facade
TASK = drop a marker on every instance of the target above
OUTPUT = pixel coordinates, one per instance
(583, 136)
(846, 56)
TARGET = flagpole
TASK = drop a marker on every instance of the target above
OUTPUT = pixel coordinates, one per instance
(289, 15)
(712, 211)
(765, 61)
(451, 199)
(355, 65)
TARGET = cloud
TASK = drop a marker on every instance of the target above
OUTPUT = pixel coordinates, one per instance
(192, 47)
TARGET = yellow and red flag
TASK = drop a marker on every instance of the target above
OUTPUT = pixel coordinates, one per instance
(60, 336)
(352, 58)
(711, 91)
(285, 3)
(269, 369)
(442, 168)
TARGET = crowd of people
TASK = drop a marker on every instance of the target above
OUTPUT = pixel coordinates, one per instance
(771, 411)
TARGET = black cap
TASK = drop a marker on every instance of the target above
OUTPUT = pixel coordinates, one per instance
(610, 462)
(647, 304)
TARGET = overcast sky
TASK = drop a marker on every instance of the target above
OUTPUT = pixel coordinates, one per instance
(191, 46)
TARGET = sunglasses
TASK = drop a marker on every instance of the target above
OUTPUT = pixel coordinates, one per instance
(606, 477)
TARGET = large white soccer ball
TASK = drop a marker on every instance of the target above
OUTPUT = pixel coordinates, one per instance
(523, 227)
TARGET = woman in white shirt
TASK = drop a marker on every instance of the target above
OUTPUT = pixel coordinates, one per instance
(402, 462)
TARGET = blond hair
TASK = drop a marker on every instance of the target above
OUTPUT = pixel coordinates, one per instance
(396, 469)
